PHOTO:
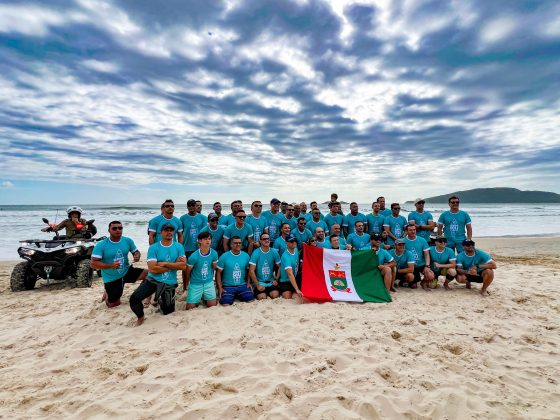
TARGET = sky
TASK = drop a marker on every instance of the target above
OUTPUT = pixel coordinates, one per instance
(140, 100)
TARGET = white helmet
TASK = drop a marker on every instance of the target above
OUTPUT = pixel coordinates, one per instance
(74, 209)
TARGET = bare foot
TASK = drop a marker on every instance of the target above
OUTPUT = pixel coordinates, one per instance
(113, 304)
(468, 285)
(446, 286)
(140, 321)
(484, 293)
(104, 297)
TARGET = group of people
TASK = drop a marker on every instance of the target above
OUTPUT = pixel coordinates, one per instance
(256, 255)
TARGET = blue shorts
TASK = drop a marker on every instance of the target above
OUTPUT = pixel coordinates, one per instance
(242, 292)
(198, 291)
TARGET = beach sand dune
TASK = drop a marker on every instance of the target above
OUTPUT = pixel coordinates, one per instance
(427, 355)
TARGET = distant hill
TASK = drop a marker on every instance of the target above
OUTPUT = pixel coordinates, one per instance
(498, 195)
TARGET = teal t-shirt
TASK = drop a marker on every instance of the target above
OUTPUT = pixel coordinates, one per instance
(421, 219)
(258, 225)
(341, 243)
(350, 221)
(309, 216)
(375, 223)
(331, 220)
(312, 225)
(454, 225)
(280, 245)
(384, 256)
(402, 260)
(444, 257)
(244, 233)
(396, 226)
(202, 270)
(157, 222)
(358, 241)
(109, 252)
(417, 248)
(288, 260)
(217, 236)
(301, 237)
(292, 221)
(264, 263)
(325, 244)
(273, 222)
(386, 212)
(467, 261)
(223, 220)
(234, 268)
(161, 253)
(192, 225)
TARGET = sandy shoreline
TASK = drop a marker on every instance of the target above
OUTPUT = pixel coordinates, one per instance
(426, 355)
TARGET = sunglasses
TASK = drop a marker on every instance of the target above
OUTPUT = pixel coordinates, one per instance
(258, 205)
(290, 209)
(169, 205)
(395, 208)
(169, 230)
(241, 217)
(312, 241)
(236, 243)
(265, 239)
(454, 202)
(117, 228)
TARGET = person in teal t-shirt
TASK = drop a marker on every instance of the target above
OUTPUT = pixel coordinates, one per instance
(386, 262)
(201, 266)
(454, 223)
(166, 216)
(333, 216)
(263, 270)
(404, 264)
(375, 219)
(231, 277)
(421, 252)
(216, 232)
(192, 223)
(289, 217)
(240, 229)
(358, 240)
(111, 257)
(257, 222)
(349, 222)
(289, 265)
(422, 219)
(274, 219)
(301, 233)
(394, 224)
(443, 261)
(475, 266)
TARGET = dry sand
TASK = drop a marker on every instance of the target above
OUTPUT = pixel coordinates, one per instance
(426, 355)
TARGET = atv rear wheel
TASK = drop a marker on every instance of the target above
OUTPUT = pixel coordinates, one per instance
(22, 278)
(84, 274)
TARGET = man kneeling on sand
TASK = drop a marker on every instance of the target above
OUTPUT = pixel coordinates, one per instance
(443, 262)
(475, 266)
(164, 259)
(201, 266)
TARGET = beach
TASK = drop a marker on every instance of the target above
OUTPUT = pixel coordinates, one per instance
(438, 354)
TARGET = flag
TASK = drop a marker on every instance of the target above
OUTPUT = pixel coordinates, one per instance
(331, 274)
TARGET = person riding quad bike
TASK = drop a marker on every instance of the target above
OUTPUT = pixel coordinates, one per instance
(76, 227)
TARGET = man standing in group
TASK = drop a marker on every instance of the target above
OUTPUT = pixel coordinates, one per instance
(394, 224)
(336, 242)
(230, 218)
(302, 234)
(386, 262)
(475, 266)
(313, 206)
(289, 264)
(263, 265)
(320, 235)
(454, 223)
(111, 257)
(315, 221)
(334, 216)
(217, 207)
(351, 218)
(303, 209)
(443, 261)
(358, 240)
(192, 223)
(241, 230)
(289, 217)
(336, 229)
(164, 259)
(421, 253)
(375, 219)
(404, 264)
(280, 244)
(166, 216)
(273, 219)
(297, 210)
(231, 277)
(422, 219)
(385, 212)
(216, 232)
(201, 266)
(257, 222)
(198, 206)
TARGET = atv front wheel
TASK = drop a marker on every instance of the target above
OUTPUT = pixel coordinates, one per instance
(22, 278)
(84, 274)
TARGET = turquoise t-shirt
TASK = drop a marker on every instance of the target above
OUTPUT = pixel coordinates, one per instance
(292, 221)
(396, 226)
(289, 260)
(384, 256)
(341, 243)
(244, 233)
(301, 237)
(280, 245)
(217, 236)
(264, 263)
(444, 257)
(454, 225)
(223, 220)
(192, 225)
(386, 212)
(325, 244)
(309, 216)
(273, 222)
(358, 241)
(234, 268)
(402, 260)
(109, 252)
(202, 270)
(417, 248)
(258, 224)
(467, 261)
(161, 253)
(331, 220)
(157, 222)
(375, 223)
(350, 221)
(312, 225)
(421, 219)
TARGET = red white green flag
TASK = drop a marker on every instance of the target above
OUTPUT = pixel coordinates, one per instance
(331, 274)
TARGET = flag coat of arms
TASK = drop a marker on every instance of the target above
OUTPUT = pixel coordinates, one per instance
(332, 274)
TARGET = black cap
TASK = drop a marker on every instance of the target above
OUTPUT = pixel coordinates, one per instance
(275, 201)
(213, 216)
(167, 226)
(191, 203)
(441, 239)
(468, 242)
(375, 236)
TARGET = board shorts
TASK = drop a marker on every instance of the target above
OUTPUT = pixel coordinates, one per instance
(442, 272)
(267, 290)
(241, 292)
(285, 286)
(199, 291)
(115, 288)
(474, 278)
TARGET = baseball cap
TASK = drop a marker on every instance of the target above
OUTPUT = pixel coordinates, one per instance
(375, 236)
(418, 200)
(290, 238)
(274, 201)
(191, 203)
(441, 239)
(167, 226)
(212, 216)
(468, 242)
(399, 241)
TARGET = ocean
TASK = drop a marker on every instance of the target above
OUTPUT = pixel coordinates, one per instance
(24, 222)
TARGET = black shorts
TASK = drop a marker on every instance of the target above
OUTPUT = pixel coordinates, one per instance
(474, 278)
(285, 286)
(189, 253)
(115, 288)
(417, 271)
(401, 276)
(267, 290)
